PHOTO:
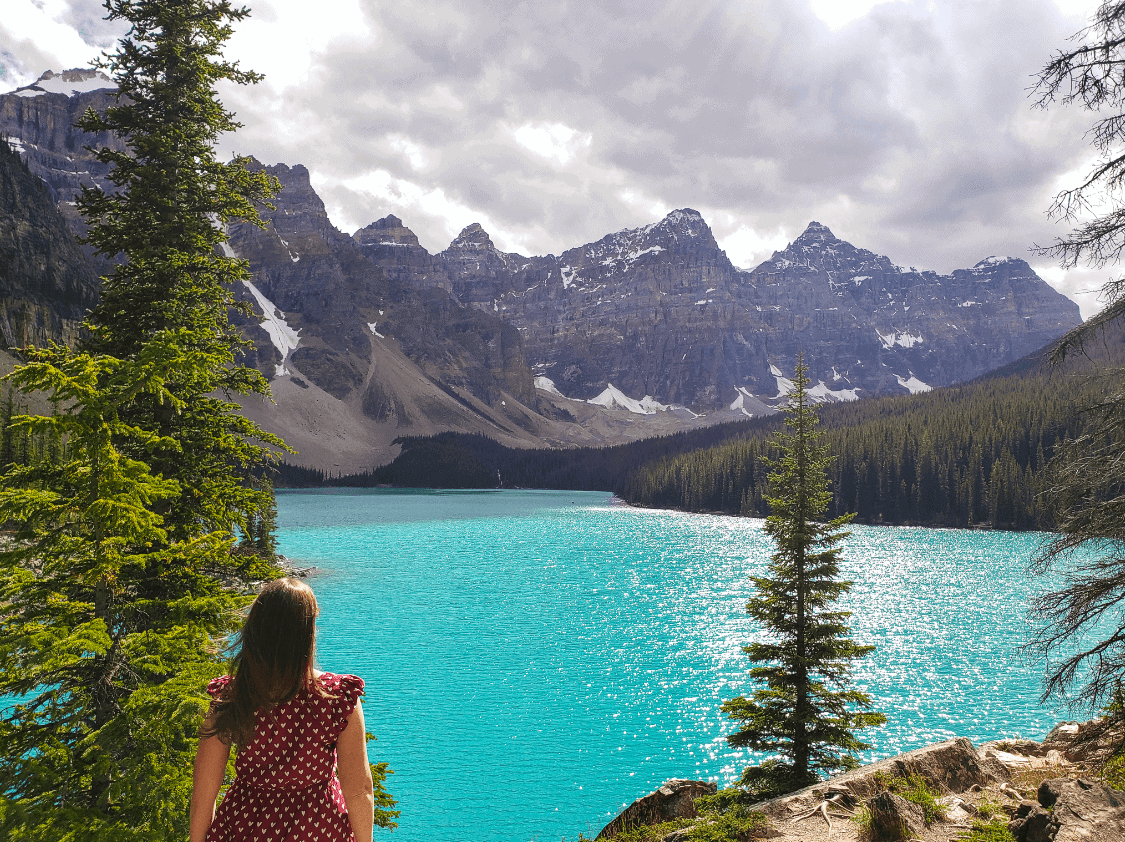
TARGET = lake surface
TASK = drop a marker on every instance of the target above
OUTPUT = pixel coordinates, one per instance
(536, 660)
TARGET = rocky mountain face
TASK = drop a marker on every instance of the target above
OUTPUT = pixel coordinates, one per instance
(38, 122)
(647, 331)
(46, 282)
(342, 304)
(661, 311)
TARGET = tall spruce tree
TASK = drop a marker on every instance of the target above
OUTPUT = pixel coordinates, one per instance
(806, 714)
(167, 216)
(113, 587)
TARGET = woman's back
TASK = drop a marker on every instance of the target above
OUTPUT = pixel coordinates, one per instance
(285, 784)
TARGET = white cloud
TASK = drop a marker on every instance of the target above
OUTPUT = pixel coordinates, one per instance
(552, 140)
(839, 13)
(406, 198)
(905, 125)
(44, 31)
(282, 38)
(411, 150)
(746, 247)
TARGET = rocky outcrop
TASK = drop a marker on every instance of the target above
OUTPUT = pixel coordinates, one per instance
(674, 800)
(46, 283)
(967, 784)
(1071, 811)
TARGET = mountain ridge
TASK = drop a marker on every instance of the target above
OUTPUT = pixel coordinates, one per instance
(368, 337)
(602, 313)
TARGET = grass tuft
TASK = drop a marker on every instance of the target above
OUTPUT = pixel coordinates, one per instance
(651, 832)
(995, 830)
(915, 790)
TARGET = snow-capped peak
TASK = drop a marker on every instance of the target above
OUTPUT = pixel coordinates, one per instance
(995, 261)
(80, 80)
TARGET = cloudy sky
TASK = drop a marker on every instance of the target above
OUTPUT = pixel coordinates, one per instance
(904, 126)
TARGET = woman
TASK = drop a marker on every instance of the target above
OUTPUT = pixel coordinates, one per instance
(301, 772)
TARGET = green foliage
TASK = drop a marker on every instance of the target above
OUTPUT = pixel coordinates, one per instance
(988, 809)
(806, 713)
(1113, 772)
(651, 832)
(106, 634)
(126, 500)
(915, 790)
(993, 830)
(385, 814)
(961, 456)
(168, 216)
(727, 816)
(862, 818)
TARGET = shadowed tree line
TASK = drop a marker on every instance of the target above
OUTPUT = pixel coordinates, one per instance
(962, 456)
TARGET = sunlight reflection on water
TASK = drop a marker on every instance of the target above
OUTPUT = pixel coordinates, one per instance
(536, 660)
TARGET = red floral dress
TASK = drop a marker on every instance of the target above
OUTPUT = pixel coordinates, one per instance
(285, 786)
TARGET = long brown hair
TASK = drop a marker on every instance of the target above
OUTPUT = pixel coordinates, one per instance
(274, 658)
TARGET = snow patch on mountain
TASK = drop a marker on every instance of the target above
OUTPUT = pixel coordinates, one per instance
(67, 83)
(614, 398)
(784, 384)
(292, 255)
(283, 337)
(994, 261)
(821, 393)
(739, 403)
(546, 384)
(903, 340)
(912, 384)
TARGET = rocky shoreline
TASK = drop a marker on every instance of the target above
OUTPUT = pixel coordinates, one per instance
(1040, 791)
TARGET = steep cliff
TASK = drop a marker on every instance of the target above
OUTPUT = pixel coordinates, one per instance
(46, 283)
(660, 310)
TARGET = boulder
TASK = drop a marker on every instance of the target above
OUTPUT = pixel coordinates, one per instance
(1082, 811)
(674, 800)
(894, 819)
(953, 765)
(1030, 823)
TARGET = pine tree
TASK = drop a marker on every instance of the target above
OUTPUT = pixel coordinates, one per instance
(106, 673)
(168, 217)
(113, 594)
(806, 713)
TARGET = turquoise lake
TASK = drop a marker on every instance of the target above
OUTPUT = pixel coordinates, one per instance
(536, 660)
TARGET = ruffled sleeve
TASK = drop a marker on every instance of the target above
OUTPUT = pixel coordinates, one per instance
(217, 687)
(347, 691)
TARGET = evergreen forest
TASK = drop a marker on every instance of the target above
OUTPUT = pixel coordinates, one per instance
(965, 456)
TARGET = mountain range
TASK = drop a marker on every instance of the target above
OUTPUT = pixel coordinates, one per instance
(369, 337)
